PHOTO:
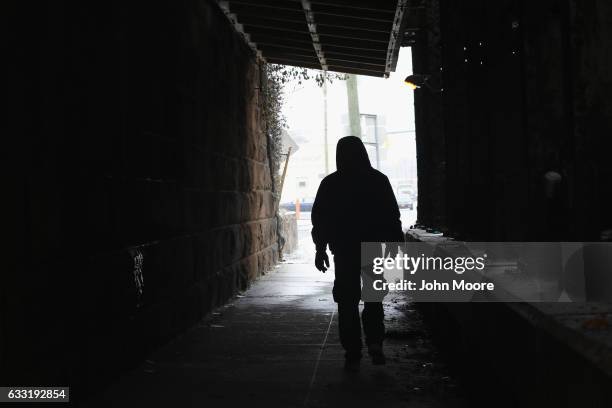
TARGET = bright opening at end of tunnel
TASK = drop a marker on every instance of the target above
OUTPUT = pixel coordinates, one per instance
(378, 110)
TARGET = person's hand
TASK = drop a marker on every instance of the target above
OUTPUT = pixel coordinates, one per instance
(321, 261)
(391, 249)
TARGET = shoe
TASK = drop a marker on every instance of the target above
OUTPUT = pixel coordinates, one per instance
(376, 353)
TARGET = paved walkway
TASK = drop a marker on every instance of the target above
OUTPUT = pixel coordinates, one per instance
(277, 346)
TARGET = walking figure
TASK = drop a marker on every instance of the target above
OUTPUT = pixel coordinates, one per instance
(354, 204)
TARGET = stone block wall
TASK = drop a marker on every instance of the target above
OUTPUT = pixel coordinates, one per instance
(144, 193)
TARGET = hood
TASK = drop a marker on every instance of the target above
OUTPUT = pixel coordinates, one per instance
(351, 155)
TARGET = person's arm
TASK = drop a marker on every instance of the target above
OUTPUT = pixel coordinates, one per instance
(319, 217)
(393, 223)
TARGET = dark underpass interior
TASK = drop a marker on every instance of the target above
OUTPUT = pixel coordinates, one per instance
(150, 265)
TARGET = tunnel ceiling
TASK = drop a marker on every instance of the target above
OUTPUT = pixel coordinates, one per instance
(351, 36)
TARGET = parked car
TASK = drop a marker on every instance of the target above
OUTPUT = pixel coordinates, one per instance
(405, 198)
(288, 206)
(305, 205)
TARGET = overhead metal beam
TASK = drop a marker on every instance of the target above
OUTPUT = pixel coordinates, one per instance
(276, 25)
(279, 4)
(356, 28)
(312, 27)
(351, 24)
(365, 5)
(265, 46)
(354, 33)
(224, 6)
(289, 56)
(352, 53)
(335, 68)
(295, 61)
(355, 50)
(381, 58)
(337, 36)
(358, 71)
(321, 10)
(382, 6)
(292, 54)
(356, 63)
(267, 35)
(395, 37)
(351, 44)
(352, 36)
(250, 13)
(272, 53)
(375, 15)
(337, 50)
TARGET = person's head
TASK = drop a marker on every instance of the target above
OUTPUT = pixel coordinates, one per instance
(351, 155)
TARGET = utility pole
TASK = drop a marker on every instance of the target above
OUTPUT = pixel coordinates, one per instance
(285, 171)
(353, 105)
(325, 144)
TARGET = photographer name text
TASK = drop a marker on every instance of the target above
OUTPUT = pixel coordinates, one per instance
(424, 285)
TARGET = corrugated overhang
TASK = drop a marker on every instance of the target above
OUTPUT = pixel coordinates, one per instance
(351, 36)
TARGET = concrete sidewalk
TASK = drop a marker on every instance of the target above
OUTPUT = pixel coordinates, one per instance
(277, 346)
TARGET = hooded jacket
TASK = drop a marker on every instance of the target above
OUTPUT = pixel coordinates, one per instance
(354, 204)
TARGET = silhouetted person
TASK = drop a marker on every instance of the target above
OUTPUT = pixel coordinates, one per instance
(354, 204)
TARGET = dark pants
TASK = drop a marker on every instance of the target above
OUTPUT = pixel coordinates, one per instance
(347, 293)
